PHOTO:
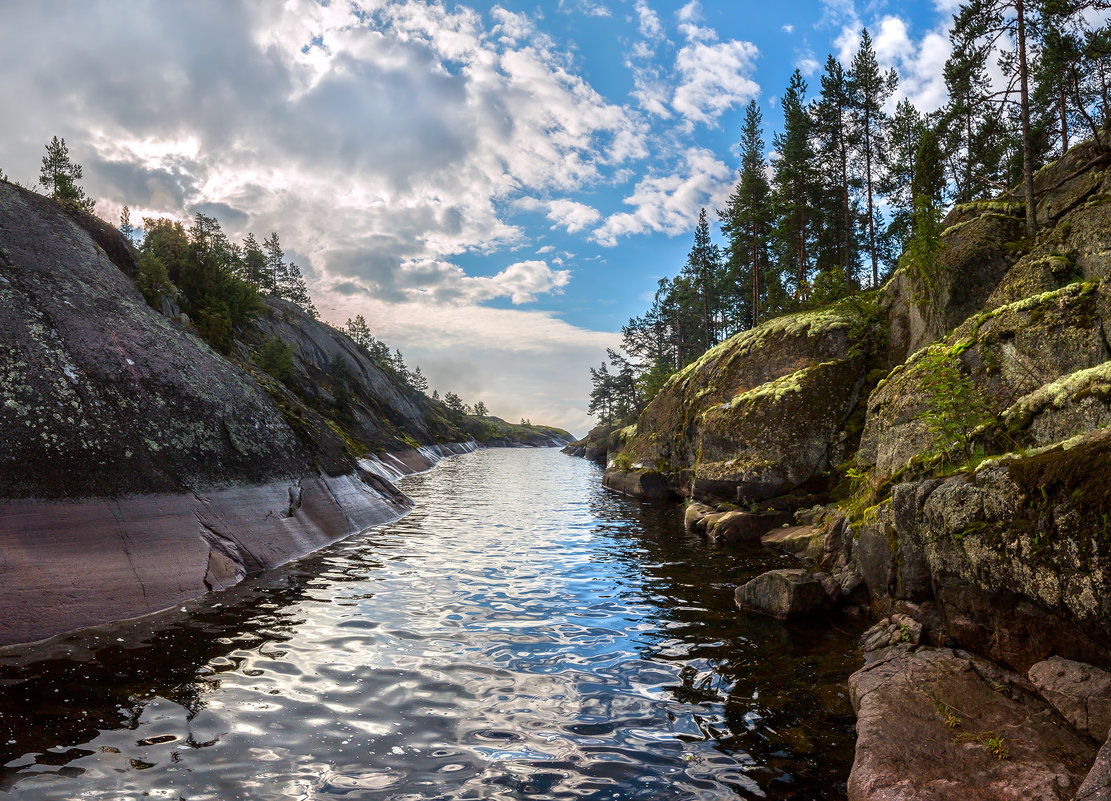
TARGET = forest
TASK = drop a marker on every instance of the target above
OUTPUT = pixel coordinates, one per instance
(856, 184)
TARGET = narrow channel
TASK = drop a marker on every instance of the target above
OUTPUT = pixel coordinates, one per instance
(523, 633)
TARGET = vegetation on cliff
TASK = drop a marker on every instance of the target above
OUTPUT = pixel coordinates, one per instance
(813, 233)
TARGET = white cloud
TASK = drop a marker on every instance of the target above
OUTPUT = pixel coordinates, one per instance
(380, 142)
(714, 76)
(648, 22)
(669, 203)
(807, 64)
(591, 8)
(788, 29)
(572, 215)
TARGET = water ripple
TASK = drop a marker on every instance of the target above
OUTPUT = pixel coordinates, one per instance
(521, 634)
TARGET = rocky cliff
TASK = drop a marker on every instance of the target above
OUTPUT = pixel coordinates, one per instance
(141, 468)
(953, 425)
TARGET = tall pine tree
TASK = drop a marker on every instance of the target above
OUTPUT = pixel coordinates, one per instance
(871, 88)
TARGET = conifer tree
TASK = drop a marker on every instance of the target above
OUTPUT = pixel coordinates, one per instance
(359, 332)
(746, 220)
(254, 262)
(275, 263)
(126, 228)
(480, 409)
(794, 182)
(870, 90)
(417, 380)
(59, 176)
(835, 142)
(904, 136)
(702, 267)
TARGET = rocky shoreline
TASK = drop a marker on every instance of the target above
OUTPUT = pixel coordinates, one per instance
(936, 454)
(69, 564)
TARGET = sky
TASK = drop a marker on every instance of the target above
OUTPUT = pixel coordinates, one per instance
(495, 187)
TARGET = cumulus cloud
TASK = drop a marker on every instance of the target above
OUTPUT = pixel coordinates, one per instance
(669, 203)
(572, 215)
(713, 76)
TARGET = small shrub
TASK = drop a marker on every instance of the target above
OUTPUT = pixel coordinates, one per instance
(276, 358)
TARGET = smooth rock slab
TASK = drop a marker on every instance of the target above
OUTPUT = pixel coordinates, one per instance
(783, 594)
(1080, 692)
(66, 565)
(905, 751)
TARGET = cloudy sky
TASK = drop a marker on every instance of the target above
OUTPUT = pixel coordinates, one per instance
(496, 187)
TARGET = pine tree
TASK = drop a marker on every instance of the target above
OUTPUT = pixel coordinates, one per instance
(747, 218)
(359, 332)
(703, 263)
(254, 262)
(126, 228)
(794, 181)
(480, 409)
(59, 176)
(417, 380)
(870, 90)
(275, 263)
(904, 136)
(836, 140)
(292, 287)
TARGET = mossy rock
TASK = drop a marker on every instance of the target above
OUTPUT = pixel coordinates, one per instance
(778, 436)
(1005, 354)
(759, 361)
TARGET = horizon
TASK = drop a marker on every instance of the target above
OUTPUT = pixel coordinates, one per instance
(538, 166)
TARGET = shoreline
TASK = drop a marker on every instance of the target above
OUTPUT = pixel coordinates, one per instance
(154, 551)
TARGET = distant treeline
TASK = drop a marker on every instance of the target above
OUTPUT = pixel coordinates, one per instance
(854, 191)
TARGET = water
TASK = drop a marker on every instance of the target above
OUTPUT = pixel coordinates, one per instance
(521, 634)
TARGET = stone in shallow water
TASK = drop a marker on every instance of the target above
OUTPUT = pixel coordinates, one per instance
(783, 594)
(934, 724)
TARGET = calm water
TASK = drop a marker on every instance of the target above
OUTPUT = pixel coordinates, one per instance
(522, 634)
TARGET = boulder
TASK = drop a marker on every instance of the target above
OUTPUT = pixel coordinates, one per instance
(694, 515)
(762, 413)
(895, 630)
(944, 725)
(805, 542)
(1080, 692)
(784, 594)
(1097, 784)
(649, 485)
(737, 526)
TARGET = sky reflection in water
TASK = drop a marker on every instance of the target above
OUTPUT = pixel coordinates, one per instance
(522, 634)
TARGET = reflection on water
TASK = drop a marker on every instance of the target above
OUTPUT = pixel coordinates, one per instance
(522, 634)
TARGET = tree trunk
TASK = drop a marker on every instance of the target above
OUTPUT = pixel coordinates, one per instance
(1027, 155)
(871, 216)
(847, 233)
(1063, 109)
(755, 274)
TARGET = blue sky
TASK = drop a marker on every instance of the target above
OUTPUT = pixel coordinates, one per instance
(496, 187)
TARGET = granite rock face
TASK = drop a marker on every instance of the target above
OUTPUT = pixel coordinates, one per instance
(759, 415)
(140, 468)
(944, 725)
(99, 394)
(1080, 692)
